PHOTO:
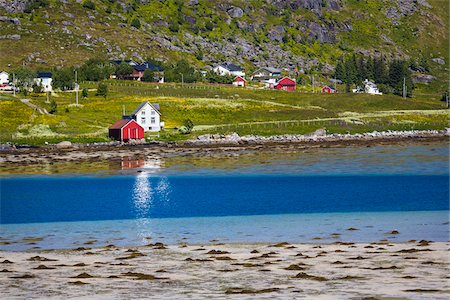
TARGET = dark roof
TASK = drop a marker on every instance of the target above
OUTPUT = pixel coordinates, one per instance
(152, 67)
(140, 68)
(44, 75)
(231, 67)
(119, 124)
(119, 61)
(144, 66)
(155, 106)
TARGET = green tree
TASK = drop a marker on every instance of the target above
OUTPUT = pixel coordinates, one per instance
(35, 4)
(102, 90)
(37, 87)
(399, 74)
(123, 70)
(53, 106)
(149, 75)
(182, 70)
(339, 71)
(379, 70)
(64, 79)
(24, 79)
(96, 70)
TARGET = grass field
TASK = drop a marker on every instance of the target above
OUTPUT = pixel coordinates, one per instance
(215, 109)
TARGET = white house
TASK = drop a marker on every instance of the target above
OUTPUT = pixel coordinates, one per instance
(371, 88)
(266, 73)
(4, 78)
(148, 116)
(229, 69)
(45, 79)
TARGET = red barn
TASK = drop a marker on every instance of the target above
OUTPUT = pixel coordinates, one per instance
(286, 84)
(329, 90)
(239, 81)
(126, 129)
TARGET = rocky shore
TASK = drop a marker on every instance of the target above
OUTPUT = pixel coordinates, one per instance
(12, 157)
(315, 137)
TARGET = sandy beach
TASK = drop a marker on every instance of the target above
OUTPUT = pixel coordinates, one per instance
(341, 270)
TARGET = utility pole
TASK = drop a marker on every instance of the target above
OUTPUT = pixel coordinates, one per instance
(182, 80)
(76, 88)
(14, 84)
(313, 86)
(404, 87)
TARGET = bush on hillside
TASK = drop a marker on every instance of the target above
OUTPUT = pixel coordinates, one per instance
(89, 4)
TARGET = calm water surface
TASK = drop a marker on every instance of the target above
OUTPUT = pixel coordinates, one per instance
(292, 196)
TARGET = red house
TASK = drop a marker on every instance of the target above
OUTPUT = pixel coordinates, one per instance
(239, 81)
(125, 130)
(286, 84)
(329, 90)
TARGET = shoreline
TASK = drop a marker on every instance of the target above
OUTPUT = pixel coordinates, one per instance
(210, 143)
(375, 270)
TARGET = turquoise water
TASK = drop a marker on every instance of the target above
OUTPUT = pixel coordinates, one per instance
(293, 197)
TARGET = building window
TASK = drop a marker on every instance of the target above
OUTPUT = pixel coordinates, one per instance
(143, 120)
(152, 120)
(152, 113)
(143, 113)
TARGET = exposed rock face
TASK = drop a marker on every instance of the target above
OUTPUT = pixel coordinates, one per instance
(316, 5)
(14, 6)
(423, 78)
(235, 12)
(404, 8)
(10, 37)
(439, 60)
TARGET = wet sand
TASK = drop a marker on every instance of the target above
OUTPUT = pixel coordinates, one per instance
(378, 270)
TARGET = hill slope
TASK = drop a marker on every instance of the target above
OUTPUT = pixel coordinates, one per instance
(311, 34)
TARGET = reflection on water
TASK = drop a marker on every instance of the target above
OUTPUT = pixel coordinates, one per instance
(144, 197)
(142, 200)
(150, 164)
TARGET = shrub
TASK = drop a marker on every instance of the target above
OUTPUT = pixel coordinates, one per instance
(102, 90)
(53, 107)
(136, 23)
(84, 93)
(89, 4)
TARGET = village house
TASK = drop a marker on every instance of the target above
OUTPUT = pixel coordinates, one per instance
(239, 81)
(265, 74)
(229, 69)
(369, 88)
(4, 77)
(44, 79)
(126, 129)
(328, 90)
(285, 83)
(148, 116)
(138, 72)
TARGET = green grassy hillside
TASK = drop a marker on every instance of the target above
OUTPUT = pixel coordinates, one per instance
(311, 34)
(215, 109)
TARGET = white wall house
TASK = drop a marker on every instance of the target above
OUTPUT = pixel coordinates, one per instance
(229, 69)
(44, 78)
(4, 78)
(148, 116)
(371, 88)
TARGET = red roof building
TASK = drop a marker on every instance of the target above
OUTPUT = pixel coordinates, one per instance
(329, 90)
(239, 81)
(125, 130)
(286, 84)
